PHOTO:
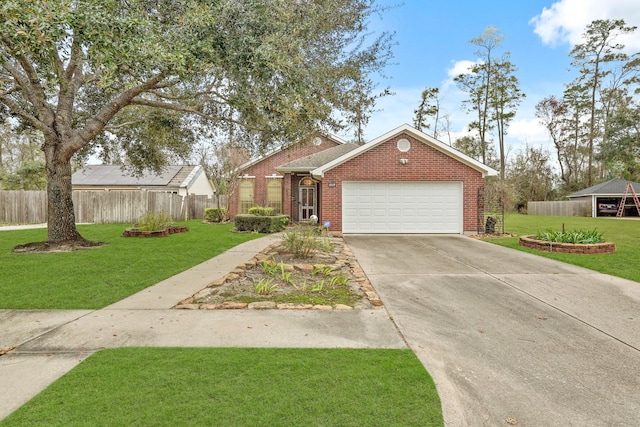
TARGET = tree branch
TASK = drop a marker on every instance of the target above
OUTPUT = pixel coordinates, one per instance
(30, 83)
(17, 109)
(99, 121)
(183, 109)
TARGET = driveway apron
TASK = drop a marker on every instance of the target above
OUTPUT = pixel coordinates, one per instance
(511, 338)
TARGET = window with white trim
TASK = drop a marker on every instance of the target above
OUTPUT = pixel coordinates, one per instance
(274, 193)
(245, 195)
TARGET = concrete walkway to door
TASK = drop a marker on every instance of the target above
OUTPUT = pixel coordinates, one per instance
(511, 337)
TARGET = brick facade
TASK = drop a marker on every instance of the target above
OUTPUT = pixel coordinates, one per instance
(382, 163)
(267, 167)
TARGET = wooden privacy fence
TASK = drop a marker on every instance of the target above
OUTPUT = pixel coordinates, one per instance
(30, 207)
(560, 208)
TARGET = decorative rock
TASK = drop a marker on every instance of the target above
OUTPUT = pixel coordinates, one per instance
(322, 307)
(262, 305)
(293, 306)
(209, 306)
(304, 267)
(288, 267)
(376, 302)
(231, 276)
(230, 305)
(343, 307)
(202, 294)
(372, 295)
(366, 286)
(216, 283)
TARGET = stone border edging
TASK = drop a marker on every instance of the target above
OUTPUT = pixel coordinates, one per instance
(569, 248)
(358, 274)
(133, 232)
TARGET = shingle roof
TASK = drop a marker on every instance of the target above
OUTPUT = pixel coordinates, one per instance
(115, 176)
(418, 135)
(613, 187)
(316, 160)
(252, 162)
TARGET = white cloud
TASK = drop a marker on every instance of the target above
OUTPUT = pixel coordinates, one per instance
(457, 68)
(529, 131)
(566, 20)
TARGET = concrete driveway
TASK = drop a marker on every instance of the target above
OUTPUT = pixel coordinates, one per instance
(510, 337)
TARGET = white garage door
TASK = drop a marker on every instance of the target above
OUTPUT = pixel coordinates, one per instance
(402, 207)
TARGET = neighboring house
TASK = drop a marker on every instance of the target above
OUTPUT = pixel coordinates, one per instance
(401, 182)
(182, 180)
(606, 197)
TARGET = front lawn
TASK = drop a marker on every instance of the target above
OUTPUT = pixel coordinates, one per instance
(625, 233)
(97, 277)
(239, 387)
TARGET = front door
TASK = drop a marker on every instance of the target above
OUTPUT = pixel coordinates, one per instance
(307, 202)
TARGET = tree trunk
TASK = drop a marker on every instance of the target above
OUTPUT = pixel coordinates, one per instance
(61, 221)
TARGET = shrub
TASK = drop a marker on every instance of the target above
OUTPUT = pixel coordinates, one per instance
(261, 211)
(301, 242)
(154, 221)
(261, 224)
(215, 214)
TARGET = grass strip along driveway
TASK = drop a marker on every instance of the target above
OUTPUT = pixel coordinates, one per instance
(238, 387)
(625, 233)
(196, 386)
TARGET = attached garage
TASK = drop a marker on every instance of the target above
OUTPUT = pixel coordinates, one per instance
(402, 182)
(402, 207)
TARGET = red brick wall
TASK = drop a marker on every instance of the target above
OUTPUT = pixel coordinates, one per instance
(267, 166)
(382, 163)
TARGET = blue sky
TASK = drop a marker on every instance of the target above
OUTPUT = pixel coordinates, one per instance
(433, 46)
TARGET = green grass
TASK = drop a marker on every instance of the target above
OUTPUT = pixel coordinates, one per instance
(95, 278)
(239, 387)
(624, 233)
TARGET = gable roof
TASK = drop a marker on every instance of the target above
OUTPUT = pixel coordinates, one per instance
(420, 136)
(174, 176)
(313, 161)
(282, 147)
(613, 187)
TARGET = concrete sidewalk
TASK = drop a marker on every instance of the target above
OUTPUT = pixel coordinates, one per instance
(49, 343)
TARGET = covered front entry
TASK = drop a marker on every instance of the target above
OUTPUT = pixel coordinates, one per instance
(307, 199)
(402, 207)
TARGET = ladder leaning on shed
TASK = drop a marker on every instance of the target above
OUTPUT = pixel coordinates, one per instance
(628, 189)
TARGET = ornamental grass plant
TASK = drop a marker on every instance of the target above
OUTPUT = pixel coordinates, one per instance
(575, 236)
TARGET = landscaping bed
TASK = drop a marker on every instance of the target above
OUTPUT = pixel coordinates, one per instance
(570, 248)
(276, 279)
(134, 232)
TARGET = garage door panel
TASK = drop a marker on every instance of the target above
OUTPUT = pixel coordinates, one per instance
(402, 207)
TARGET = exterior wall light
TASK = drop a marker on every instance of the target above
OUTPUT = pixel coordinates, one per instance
(404, 161)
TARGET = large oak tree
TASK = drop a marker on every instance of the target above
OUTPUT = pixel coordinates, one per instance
(80, 70)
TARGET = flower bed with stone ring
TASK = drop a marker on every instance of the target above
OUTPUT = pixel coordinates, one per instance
(134, 232)
(570, 248)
